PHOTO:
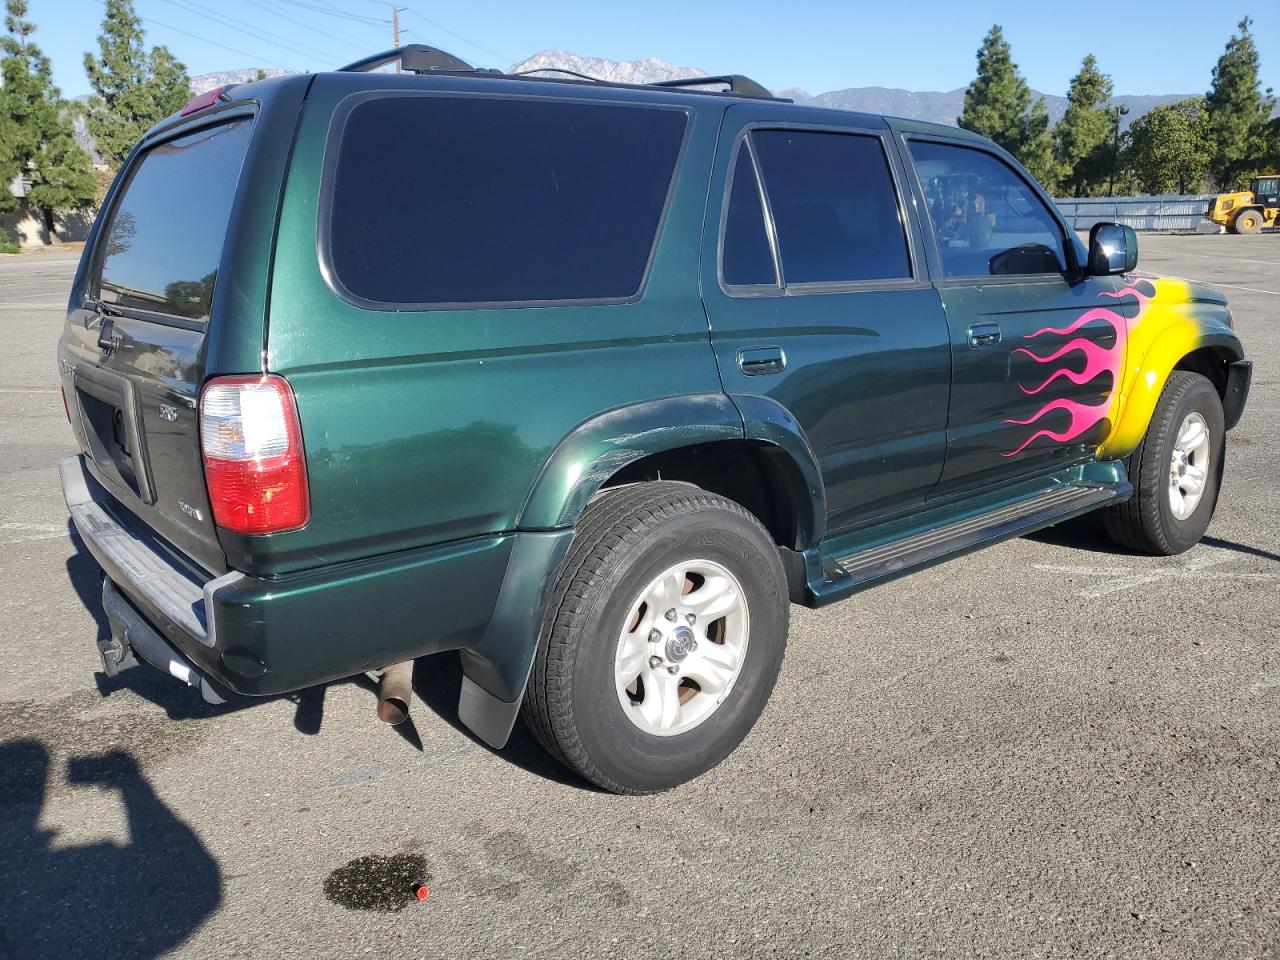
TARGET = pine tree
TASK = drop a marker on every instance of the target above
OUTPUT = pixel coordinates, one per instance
(1239, 113)
(1084, 140)
(1168, 150)
(996, 100)
(170, 84)
(997, 105)
(133, 89)
(1035, 150)
(38, 142)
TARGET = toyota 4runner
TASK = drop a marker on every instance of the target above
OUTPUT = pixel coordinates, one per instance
(588, 382)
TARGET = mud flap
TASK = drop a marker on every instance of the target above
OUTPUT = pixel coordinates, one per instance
(496, 668)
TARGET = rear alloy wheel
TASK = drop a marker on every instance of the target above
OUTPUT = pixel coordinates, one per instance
(683, 648)
(1176, 471)
(663, 638)
(1250, 221)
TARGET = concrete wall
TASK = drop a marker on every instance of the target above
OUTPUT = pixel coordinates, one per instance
(26, 226)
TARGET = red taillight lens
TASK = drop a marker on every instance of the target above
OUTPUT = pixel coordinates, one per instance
(65, 407)
(253, 460)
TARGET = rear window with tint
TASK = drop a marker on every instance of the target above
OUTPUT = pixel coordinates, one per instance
(471, 200)
(161, 247)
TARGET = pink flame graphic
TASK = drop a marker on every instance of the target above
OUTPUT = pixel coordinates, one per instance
(1097, 360)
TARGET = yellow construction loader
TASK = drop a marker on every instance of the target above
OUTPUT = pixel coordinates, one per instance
(1249, 210)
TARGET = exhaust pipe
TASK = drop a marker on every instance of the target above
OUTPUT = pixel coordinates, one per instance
(394, 690)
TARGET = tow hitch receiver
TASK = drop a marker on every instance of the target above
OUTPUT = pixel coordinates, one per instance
(114, 650)
(132, 638)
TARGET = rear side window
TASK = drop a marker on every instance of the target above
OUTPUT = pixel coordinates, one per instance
(747, 258)
(988, 220)
(161, 248)
(834, 206)
(474, 200)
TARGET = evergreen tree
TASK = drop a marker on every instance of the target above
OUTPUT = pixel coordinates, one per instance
(37, 137)
(1239, 113)
(133, 89)
(1168, 150)
(997, 105)
(1084, 140)
(998, 97)
(1035, 150)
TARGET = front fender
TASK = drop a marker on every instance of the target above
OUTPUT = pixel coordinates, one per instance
(1172, 321)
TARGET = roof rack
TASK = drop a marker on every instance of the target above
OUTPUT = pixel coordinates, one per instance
(414, 57)
(419, 58)
(737, 83)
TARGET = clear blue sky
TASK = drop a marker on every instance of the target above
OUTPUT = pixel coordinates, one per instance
(1148, 46)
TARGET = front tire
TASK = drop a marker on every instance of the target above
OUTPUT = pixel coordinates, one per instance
(1249, 221)
(663, 639)
(1176, 471)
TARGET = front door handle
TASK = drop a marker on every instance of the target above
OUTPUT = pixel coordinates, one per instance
(983, 335)
(761, 361)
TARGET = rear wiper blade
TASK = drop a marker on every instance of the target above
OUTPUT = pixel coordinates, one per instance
(100, 310)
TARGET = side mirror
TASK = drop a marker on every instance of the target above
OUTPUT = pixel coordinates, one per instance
(1113, 248)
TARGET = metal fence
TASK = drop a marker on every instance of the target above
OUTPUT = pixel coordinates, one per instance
(1141, 213)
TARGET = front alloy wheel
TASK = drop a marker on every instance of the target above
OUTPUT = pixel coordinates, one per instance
(1176, 471)
(1189, 466)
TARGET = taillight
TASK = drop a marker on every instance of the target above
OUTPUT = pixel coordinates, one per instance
(253, 460)
(65, 407)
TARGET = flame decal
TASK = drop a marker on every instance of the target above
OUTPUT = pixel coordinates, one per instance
(1097, 361)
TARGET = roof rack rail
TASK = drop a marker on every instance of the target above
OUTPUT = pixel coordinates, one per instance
(736, 82)
(419, 58)
(414, 57)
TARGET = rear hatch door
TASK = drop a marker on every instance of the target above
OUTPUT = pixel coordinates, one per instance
(136, 342)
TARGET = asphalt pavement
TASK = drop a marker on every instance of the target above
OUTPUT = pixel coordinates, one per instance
(1049, 748)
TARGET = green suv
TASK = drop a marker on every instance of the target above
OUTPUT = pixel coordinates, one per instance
(588, 382)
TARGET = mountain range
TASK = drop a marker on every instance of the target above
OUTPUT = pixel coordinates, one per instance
(936, 106)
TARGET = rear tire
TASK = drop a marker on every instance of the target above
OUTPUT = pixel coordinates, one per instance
(608, 641)
(1248, 221)
(1176, 471)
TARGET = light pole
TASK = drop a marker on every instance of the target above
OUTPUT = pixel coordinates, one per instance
(1121, 111)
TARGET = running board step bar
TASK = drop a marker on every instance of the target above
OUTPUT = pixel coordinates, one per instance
(854, 571)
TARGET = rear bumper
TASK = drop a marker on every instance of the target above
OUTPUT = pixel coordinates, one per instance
(262, 636)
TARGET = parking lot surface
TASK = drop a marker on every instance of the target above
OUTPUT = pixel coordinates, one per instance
(1050, 748)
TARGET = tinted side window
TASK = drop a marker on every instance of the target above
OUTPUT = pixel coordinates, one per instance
(987, 219)
(834, 206)
(440, 200)
(161, 249)
(747, 258)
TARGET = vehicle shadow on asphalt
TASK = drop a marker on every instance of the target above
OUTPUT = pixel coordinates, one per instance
(1086, 533)
(104, 899)
(437, 681)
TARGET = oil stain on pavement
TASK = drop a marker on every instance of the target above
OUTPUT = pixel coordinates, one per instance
(375, 882)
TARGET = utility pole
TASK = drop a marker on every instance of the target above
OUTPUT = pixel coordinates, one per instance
(395, 28)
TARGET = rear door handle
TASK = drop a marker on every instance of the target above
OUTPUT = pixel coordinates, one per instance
(107, 339)
(761, 361)
(984, 335)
